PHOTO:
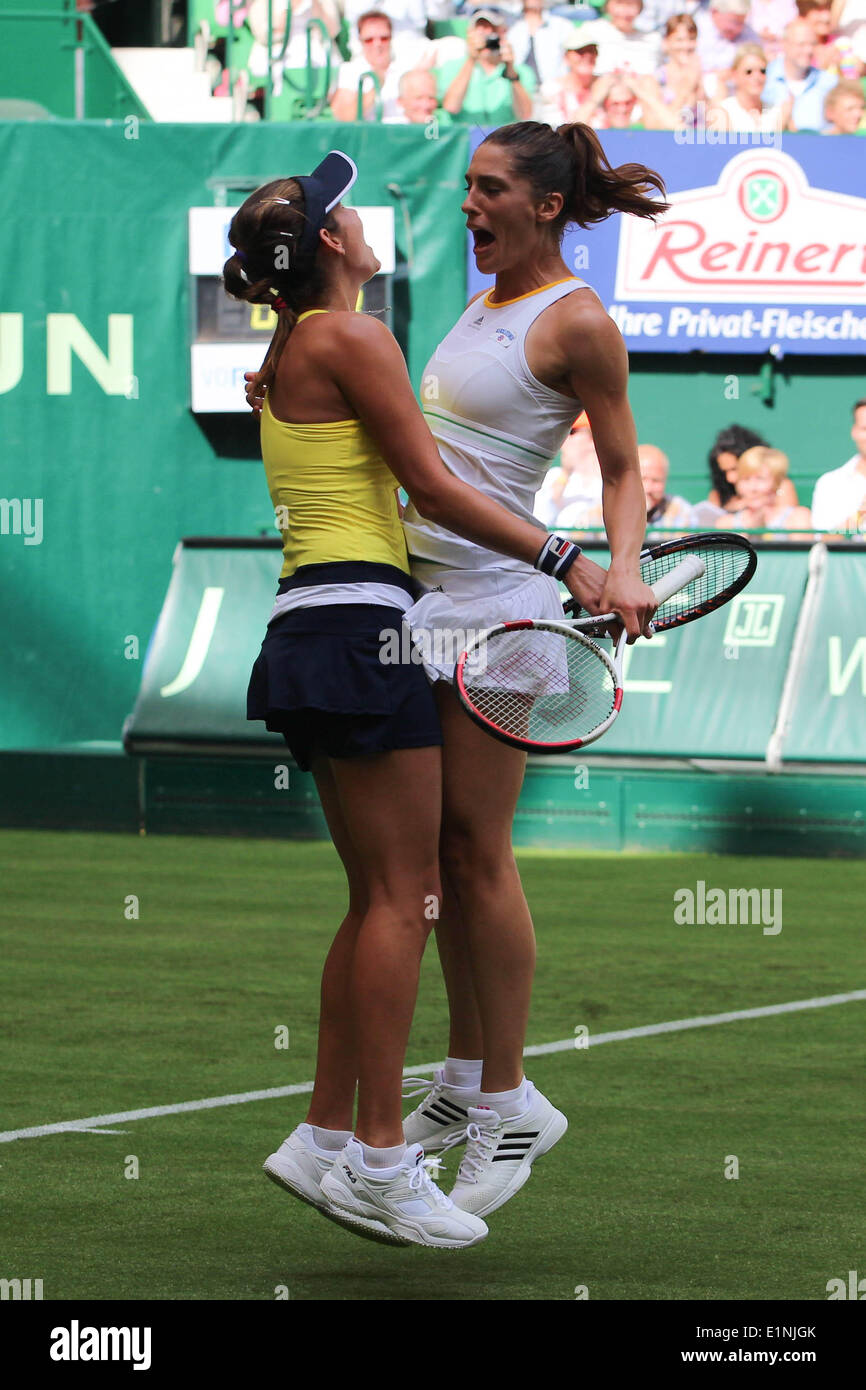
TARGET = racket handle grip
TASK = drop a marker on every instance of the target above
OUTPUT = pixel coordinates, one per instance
(692, 567)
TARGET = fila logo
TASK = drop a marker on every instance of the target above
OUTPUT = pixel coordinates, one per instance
(349, 1174)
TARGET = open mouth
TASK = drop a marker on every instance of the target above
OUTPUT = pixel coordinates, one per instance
(481, 238)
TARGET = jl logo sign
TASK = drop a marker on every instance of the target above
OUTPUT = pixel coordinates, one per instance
(753, 620)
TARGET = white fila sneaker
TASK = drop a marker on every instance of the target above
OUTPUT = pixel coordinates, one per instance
(298, 1167)
(500, 1153)
(408, 1203)
(441, 1118)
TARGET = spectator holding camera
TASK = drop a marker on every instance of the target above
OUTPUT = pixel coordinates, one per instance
(487, 88)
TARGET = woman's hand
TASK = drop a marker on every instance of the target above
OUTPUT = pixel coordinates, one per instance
(633, 601)
(254, 392)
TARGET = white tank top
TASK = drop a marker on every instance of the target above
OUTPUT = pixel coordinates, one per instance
(496, 425)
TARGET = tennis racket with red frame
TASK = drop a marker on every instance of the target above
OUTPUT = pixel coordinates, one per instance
(545, 686)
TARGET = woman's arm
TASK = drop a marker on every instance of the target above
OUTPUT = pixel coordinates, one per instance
(597, 371)
(367, 366)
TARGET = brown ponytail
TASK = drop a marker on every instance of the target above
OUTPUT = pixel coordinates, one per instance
(267, 267)
(571, 161)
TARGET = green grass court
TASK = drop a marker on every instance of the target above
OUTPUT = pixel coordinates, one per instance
(103, 1014)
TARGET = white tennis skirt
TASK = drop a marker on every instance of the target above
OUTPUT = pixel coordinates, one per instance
(460, 604)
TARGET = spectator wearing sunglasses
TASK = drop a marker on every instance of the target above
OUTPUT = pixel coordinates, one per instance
(374, 36)
(746, 110)
(795, 75)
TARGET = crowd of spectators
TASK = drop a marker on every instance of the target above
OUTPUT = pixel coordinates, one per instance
(737, 65)
(750, 488)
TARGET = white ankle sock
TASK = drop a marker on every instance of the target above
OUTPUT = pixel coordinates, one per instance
(458, 1071)
(333, 1140)
(382, 1158)
(508, 1104)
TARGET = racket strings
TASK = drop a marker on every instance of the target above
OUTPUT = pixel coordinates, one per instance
(540, 685)
(724, 566)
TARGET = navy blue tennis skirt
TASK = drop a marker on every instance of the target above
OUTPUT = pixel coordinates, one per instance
(321, 682)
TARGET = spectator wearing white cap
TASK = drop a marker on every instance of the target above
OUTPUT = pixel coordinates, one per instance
(722, 28)
(487, 88)
(621, 46)
(570, 98)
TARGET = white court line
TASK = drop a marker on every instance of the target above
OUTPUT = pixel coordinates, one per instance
(565, 1045)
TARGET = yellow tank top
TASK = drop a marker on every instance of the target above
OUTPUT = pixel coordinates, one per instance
(334, 496)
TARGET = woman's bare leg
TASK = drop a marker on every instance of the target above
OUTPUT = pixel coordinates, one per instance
(391, 808)
(481, 784)
(466, 1036)
(332, 1105)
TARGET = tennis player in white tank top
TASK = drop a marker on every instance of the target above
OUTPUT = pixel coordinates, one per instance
(498, 428)
(500, 395)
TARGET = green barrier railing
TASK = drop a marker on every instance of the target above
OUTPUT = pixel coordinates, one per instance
(785, 538)
(377, 87)
(310, 95)
(36, 47)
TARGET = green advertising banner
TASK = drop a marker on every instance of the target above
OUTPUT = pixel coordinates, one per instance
(828, 718)
(711, 689)
(196, 669)
(708, 690)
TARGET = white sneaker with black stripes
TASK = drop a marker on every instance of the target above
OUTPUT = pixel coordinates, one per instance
(440, 1120)
(500, 1153)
